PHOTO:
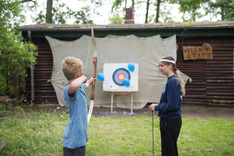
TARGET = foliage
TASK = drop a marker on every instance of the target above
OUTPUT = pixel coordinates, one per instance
(15, 53)
(220, 102)
(81, 18)
(190, 9)
(61, 13)
(5, 108)
(117, 4)
(222, 7)
(40, 133)
(116, 19)
(166, 15)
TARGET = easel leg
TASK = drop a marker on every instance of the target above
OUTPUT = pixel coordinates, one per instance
(131, 102)
(115, 101)
(112, 94)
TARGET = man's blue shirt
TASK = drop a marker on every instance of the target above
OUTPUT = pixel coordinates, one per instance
(75, 134)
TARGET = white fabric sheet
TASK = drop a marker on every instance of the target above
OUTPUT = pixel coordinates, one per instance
(146, 51)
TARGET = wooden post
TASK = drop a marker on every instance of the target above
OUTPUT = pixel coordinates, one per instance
(115, 101)
(112, 94)
(131, 102)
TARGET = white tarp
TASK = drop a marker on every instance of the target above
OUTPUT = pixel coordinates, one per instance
(146, 51)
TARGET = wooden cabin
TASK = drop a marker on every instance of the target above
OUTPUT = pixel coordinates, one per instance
(212, 78)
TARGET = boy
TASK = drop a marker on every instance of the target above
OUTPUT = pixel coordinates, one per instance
(75, 135)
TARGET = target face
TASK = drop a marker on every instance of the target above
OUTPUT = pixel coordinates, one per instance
(119, 75)
(115, 75)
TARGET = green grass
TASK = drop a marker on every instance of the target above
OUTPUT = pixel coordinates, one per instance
(40, 133)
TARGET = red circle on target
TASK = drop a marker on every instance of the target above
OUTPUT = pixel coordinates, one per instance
(121, 76)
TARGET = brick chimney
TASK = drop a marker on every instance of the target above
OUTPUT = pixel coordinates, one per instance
(129, 16)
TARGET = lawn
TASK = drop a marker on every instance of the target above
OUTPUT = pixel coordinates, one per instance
(41, 133)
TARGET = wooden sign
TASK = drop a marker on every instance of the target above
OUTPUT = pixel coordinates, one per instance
(196, 53)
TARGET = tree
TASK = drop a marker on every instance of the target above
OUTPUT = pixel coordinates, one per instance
(147, 11)
(163, 14)
(225, 8)
(81, 17)
(133, 3)
(190, 9)
(118, 3)
(15, 53)
(59, 13)
(49, 11)
(116, 19)
(157, 11)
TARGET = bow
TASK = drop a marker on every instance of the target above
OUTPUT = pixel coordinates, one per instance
(95, 74)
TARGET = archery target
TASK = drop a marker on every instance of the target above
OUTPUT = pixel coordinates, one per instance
(115, 73)
(119, 75)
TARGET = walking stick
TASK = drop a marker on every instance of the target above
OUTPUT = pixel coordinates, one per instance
(153, 132)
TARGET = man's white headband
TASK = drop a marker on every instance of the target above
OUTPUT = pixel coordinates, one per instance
(166, 60)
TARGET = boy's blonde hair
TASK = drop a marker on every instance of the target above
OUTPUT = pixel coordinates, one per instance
(71, 66)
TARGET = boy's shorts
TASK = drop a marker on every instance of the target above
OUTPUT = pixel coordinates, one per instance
(79, 151)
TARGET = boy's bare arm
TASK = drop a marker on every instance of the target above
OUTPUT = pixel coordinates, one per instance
(91, 80)
(75, 84)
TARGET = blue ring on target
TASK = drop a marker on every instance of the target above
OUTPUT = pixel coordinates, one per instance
(119, 75)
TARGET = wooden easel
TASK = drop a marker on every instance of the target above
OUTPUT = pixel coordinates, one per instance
(114, 94)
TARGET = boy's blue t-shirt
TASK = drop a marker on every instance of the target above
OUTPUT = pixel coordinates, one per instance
(171, 99)
(75, 134)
